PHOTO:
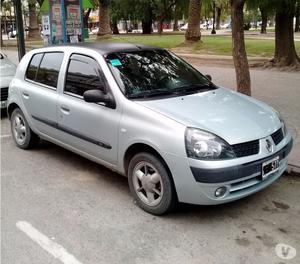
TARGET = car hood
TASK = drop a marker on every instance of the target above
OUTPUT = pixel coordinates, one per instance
(234, 117)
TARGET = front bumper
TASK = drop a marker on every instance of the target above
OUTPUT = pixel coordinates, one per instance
(239, 171)
(196, 181)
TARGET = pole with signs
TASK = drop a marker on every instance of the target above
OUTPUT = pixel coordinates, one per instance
(20, 29)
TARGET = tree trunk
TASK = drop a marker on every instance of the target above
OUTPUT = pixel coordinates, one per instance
(147, 27)
(104, 19)
(176, 14)
(218, 17)
(33, 29)
(285, 52)
(114, 26)
(147, 19)
(238, 44)
(160, 23)
(297, 15)
(193, 33)
(86, 18)
(264, 20)
(272, 21)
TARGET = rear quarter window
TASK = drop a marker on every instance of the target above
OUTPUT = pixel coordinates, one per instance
(33, 66)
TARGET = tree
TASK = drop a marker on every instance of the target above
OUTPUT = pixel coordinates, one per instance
(104, 18)
(176, 15)
(218, 17)
(33, 29)
(238, 44)
(285, 52)
(297, 15)
(193, 33)
(180, 10)
(221, 8)
(264, 19)
(163, 10)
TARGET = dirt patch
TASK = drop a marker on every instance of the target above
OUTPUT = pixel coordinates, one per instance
(243, 242)
(282, 230)
(267, 240)
(281, 205)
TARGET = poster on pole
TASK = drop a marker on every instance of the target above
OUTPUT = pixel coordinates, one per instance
(56, 23)
(73, 20)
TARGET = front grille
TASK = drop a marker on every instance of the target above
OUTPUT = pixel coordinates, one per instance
(3, 94)
(246, 149)
(277, 136)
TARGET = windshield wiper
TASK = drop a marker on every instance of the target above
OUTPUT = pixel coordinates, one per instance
(190, 88)
(152, 93)
(184, 89)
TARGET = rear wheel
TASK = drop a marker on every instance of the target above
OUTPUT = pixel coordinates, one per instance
(23, 136)
(150, 184)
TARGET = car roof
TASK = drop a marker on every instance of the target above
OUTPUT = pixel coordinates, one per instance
(105, 48)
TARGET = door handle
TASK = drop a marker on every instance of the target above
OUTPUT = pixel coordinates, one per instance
(65, 109)
(25, 95)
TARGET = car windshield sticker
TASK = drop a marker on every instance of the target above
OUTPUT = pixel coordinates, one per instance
(115, 62)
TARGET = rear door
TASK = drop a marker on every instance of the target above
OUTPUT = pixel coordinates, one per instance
(39, 92)
(88, 127)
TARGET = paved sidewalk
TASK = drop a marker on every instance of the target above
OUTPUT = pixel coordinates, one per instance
(277, 88)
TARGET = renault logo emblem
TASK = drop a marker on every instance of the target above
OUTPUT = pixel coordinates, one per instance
(269, 146)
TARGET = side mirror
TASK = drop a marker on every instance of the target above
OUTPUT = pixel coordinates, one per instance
(1, 56)
(208, 77)
(97, 96)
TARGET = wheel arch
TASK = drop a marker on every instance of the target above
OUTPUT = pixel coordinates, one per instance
(138, 148)
(11, 108)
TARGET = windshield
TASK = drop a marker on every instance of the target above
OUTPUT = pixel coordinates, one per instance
(149, 73)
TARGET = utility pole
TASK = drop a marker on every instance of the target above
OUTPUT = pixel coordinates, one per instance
(20, 29)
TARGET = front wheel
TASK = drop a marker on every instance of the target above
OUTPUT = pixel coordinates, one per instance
(150, 184)
(23, 136)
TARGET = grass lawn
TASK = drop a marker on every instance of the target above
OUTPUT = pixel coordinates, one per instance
(218, 45)
(209, 45)
(223, 46)
(164, 41)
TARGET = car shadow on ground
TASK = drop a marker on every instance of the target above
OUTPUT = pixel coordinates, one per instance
(119, 182)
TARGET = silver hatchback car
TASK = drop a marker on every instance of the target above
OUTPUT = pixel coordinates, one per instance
(150, 116)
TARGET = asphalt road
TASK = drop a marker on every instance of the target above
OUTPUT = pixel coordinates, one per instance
(87, 210)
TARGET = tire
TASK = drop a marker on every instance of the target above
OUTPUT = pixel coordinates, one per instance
(22, 134)
(150, 184)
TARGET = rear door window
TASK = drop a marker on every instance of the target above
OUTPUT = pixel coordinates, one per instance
(49, 68)
(33, 66)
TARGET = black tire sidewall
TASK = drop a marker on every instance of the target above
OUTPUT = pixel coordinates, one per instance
(168, 199)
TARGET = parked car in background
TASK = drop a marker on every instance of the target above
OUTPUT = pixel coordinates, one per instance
(7, 72)
(152, 117)
(226, 25)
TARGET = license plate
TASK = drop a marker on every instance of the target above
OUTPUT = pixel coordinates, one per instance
(3, 104)
(270, 167)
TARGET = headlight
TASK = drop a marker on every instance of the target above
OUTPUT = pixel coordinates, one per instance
(200, 144)
(284, 131)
